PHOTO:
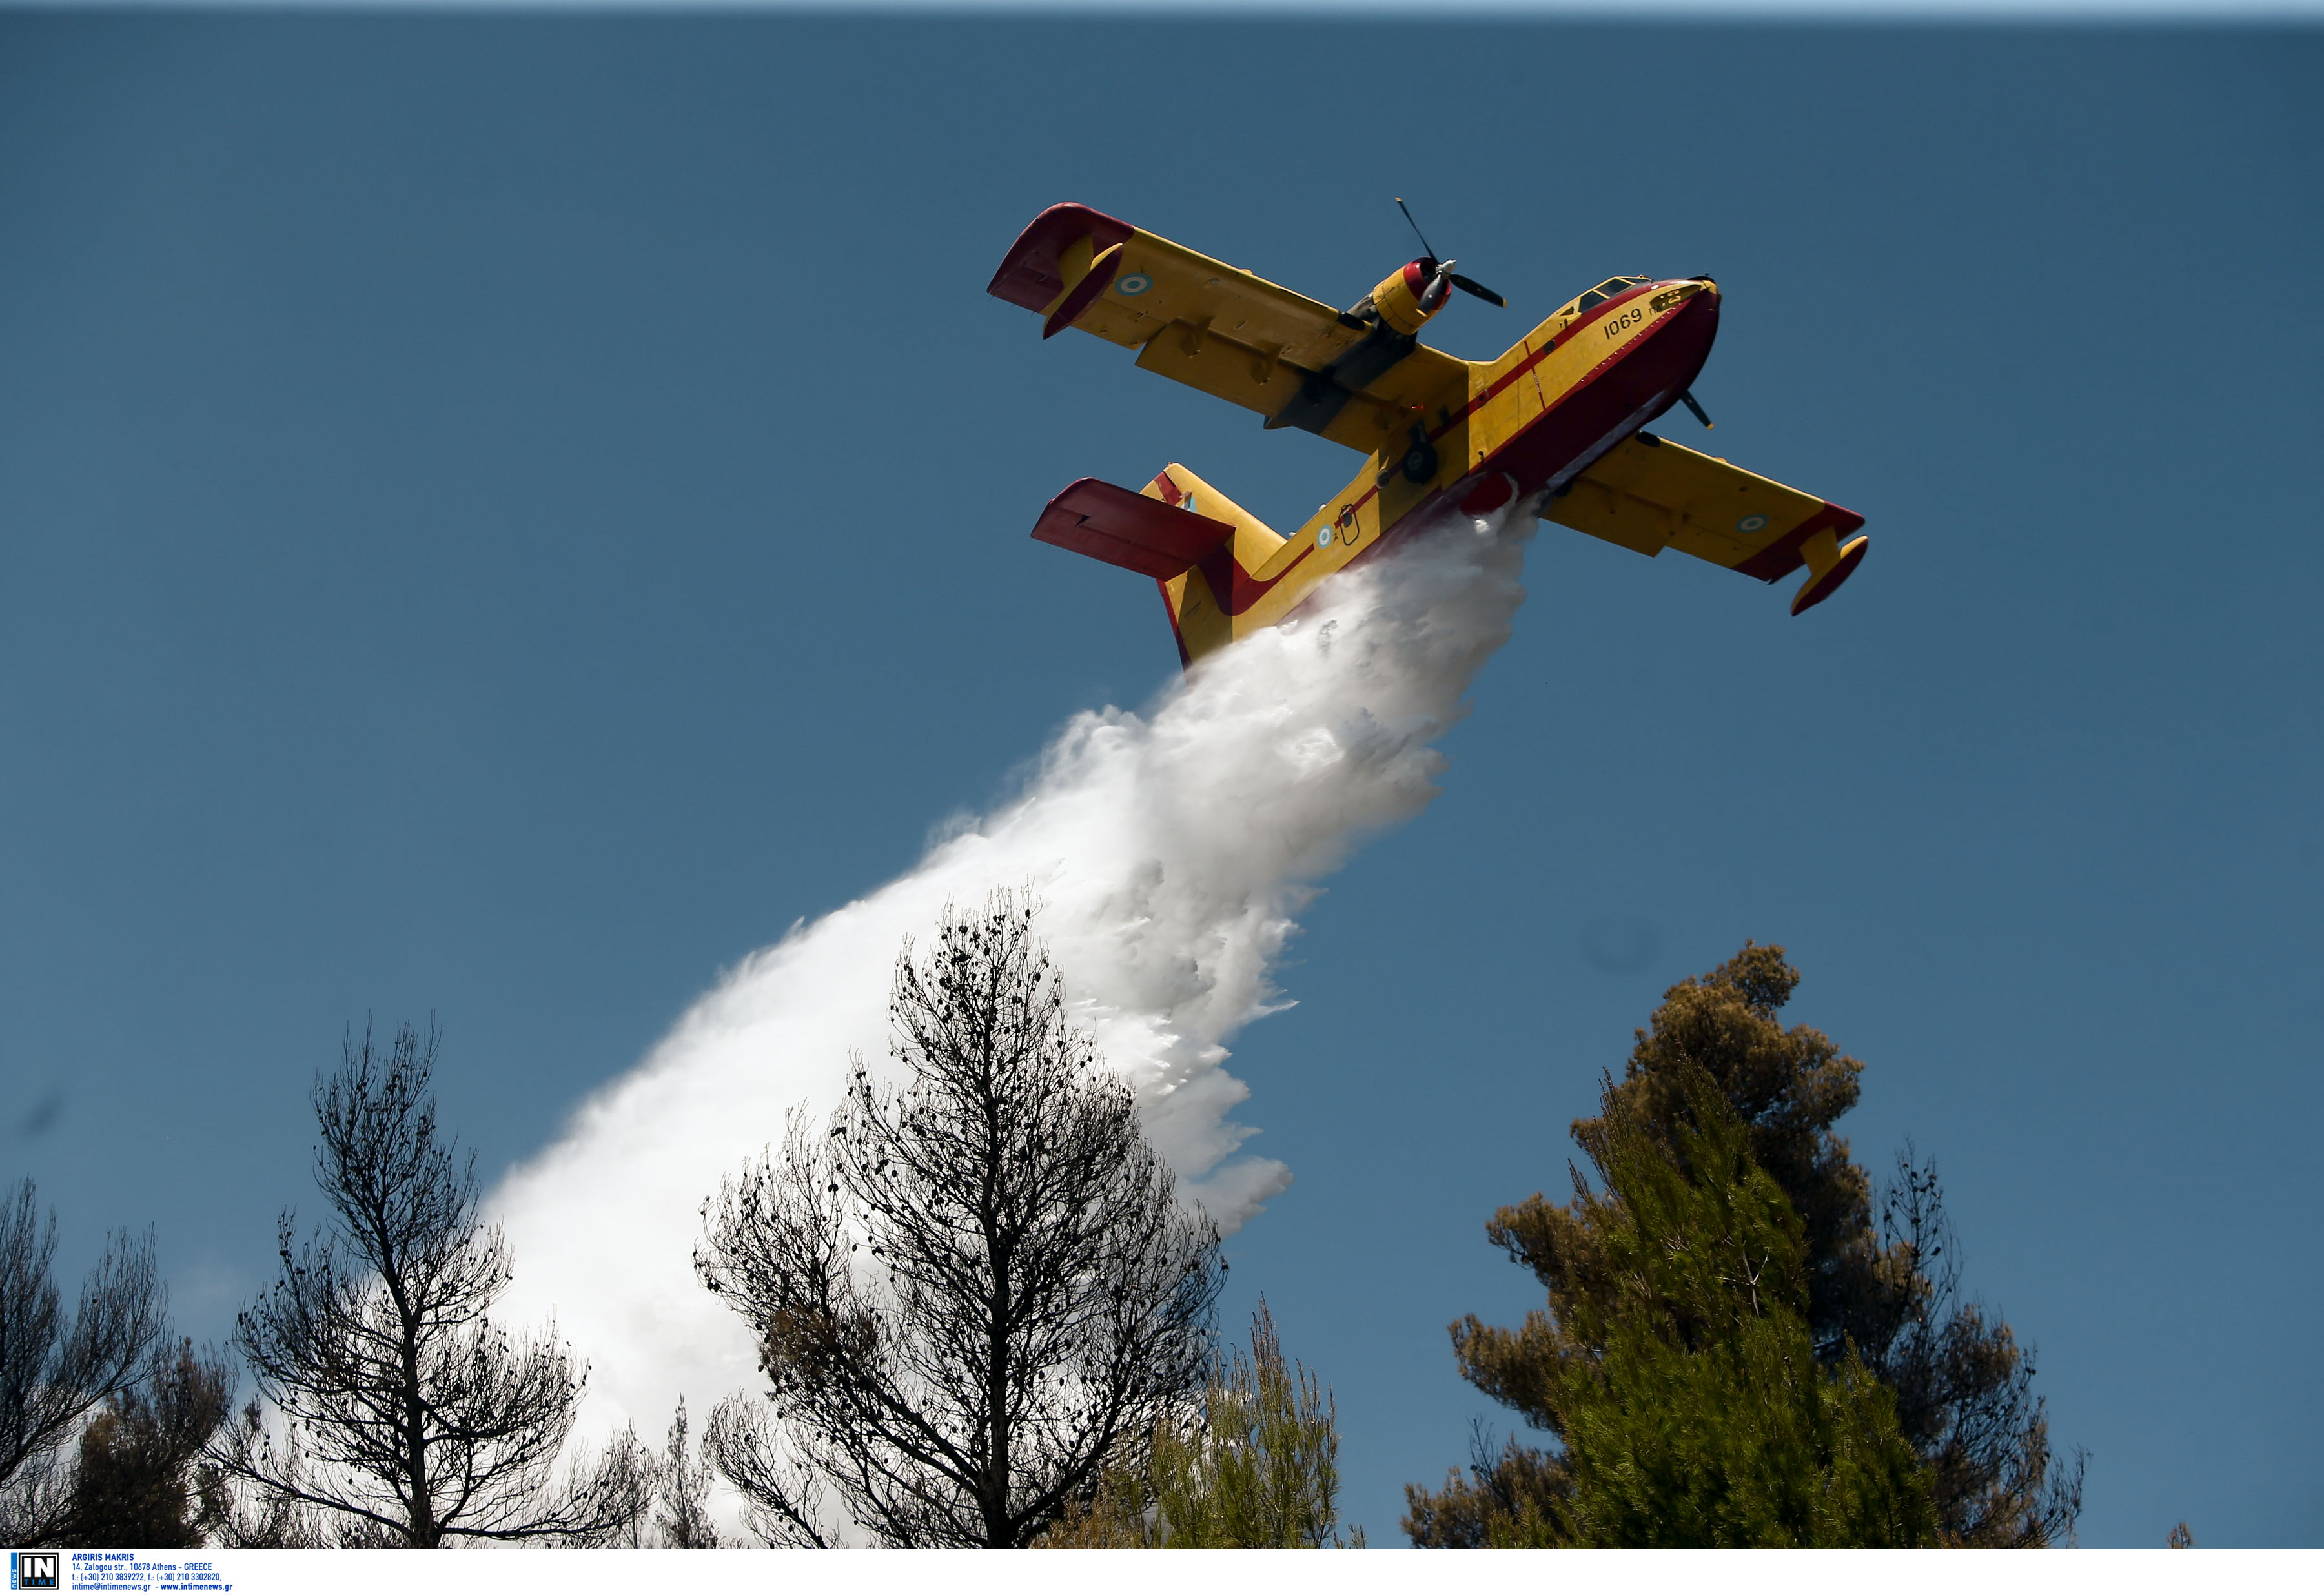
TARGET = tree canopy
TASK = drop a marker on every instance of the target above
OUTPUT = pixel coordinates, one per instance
(1254, 1466)
(102, 1413)
(1877, 1297)
(409, 1415)
(972, 1286)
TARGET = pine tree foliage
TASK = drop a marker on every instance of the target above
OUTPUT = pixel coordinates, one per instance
(974, 1285)
(1705, 1419)
(1687, 1390)
(1879, 1293)
(135, 1481)
(407, 1416)
(1255, 1466)
(1116, 1514)
(1789, 1087)
(1511, 1498)
(1965, 1388)
(1258, 1466)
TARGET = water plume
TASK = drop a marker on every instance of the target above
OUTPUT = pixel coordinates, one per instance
(1173, 851)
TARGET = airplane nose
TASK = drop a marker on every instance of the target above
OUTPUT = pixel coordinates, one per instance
(1677, 290)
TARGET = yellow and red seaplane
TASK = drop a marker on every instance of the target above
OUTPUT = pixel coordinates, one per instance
(1557, 421)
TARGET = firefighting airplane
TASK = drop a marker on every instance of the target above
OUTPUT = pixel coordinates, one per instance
(1558, 416)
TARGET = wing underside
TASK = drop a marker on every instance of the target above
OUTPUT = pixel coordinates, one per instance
(1649, 494)
(1228, 332)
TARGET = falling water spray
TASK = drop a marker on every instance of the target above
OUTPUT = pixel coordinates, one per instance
(1174, 852)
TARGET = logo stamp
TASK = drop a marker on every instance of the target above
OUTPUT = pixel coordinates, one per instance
(35, 1570)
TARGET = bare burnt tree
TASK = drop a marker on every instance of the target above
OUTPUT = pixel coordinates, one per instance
(782, 1502)
(682, 1492)
(407, 1415)
(55, 1372)
(1965, 1388)
(628, 1481)
(974, 1286)
(242, 1518)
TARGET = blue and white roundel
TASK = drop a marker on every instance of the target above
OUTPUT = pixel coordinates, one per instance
(1324, 538)
(1752, 523)
(1131, 286)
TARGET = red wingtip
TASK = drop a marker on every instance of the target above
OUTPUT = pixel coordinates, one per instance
(1029, 274)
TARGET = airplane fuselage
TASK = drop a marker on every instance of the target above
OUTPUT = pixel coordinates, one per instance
(1529, 422)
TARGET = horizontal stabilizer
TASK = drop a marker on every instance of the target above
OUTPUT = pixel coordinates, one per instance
(1128, 529)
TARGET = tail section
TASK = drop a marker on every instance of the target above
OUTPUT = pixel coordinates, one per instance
(1129, 529)
(1202, 615)
(1190, 538)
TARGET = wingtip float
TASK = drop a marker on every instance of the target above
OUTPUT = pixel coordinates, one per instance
(1559, 417)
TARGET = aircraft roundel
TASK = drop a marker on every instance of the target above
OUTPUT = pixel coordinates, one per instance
(1131, 286)
(1752, 523)
(1324, 538)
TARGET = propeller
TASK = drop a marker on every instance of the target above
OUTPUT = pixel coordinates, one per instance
(1442, 270)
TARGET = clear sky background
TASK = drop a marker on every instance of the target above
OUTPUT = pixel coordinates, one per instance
(500, 516)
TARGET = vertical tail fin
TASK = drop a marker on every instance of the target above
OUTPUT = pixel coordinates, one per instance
(1196, 543)
(1203, 601)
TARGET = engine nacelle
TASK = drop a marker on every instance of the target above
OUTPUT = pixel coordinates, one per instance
(1409, 297)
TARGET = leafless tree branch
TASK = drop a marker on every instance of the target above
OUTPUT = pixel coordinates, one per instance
(55, 1373)
(408, 1413)
(969, 1289)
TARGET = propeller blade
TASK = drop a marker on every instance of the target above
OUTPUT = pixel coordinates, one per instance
(1416, 233)
(1688, 399)
(1470, 285)
(1440, 271)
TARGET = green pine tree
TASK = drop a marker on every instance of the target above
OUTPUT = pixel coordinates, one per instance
(1880, 1282)
(1694, 1408)
(1260, 1469)
(1254, 1467)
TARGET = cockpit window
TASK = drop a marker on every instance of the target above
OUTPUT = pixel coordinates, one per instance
(1601, 293)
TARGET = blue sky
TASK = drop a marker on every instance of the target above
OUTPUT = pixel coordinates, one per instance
(500, 517)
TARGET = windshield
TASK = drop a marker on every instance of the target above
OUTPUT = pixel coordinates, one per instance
(1601, 293)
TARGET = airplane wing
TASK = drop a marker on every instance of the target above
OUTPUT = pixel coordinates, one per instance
(1213, 327)
(1648, 493)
